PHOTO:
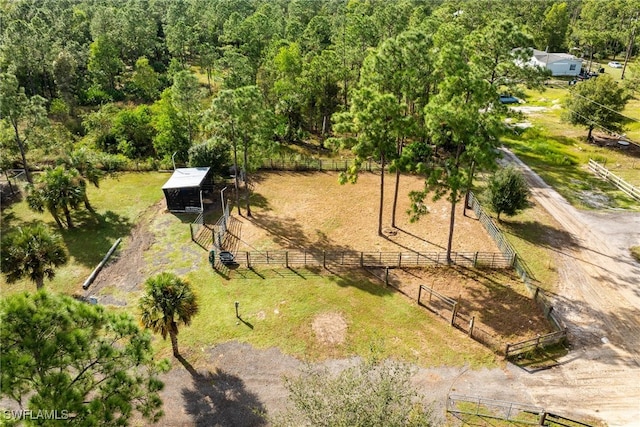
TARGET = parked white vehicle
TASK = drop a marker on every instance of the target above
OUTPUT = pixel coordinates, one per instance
(615, 64)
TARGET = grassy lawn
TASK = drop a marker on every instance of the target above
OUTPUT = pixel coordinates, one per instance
(118, 202)
(558, 152)
(277, 307)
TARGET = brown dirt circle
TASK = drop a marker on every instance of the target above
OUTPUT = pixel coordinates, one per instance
(330, 328)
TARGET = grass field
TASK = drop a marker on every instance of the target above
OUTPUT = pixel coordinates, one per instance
(280, 307)
(559, 153)
(118, 202)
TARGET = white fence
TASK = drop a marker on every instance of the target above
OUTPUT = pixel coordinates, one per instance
(623, 185)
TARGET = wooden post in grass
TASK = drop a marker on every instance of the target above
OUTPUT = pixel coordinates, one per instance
(324, 259)
(419, 293)
(248, 260)
(471, 322)
(453, 313)
(286, 259)
(386, 276)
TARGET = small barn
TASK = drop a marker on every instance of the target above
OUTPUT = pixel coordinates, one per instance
(183, 191)
(560, 64)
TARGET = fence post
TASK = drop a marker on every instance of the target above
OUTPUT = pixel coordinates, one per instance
(506, 351)
(453, 313)
(535, 294)
(471, 322)
(399, 259)
(324, 259)
(248, 260)
(543, 419)
(475, 260)
(419, 293)
(286, 259)
(386, 276)
(361, 259)
(191, 230)
(513, 260)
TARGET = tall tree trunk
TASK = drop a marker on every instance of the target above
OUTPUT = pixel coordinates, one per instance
(174, 342)
(235, 174)
(88, 205)
(454, 198)
(452, 221)
(246, 180)
(56, 217)
(22, 153)
(469, 187)
(67, 215)
(40, 282)
(589, 136)
(395, 199)
(382, 164)
(397, 186)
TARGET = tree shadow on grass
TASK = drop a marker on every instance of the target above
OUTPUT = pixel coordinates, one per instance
(93, 235)
(221, 399)
(539, 234)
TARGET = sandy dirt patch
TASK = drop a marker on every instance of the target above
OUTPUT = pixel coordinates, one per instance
(330, 328)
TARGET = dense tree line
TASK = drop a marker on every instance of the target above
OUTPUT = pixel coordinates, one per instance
(411, 84)
(119, 76)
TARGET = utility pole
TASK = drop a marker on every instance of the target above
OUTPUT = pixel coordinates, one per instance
(630, 46)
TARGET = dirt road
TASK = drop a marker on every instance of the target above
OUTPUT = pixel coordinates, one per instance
(599, 299)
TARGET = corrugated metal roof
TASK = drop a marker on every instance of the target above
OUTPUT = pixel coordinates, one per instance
(186, 178)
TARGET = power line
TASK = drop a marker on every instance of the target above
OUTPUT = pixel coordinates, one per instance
(594, 122)
(604, 106)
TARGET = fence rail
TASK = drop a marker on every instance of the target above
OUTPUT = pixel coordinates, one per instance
(372, 259)
(623, 185)
(534, 343)
(468, 407)
(537, 294)
(495, 409)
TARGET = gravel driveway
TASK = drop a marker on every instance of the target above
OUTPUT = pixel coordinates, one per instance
(599, 299)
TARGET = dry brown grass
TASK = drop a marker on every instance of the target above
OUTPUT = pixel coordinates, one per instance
(313, 211)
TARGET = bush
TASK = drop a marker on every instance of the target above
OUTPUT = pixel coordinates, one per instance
(508, 192)
(370, 393)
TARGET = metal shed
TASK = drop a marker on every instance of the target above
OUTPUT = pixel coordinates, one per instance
(183, 191)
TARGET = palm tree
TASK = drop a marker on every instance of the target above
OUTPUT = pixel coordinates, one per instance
(32, 251)
(168, 301)
(87, 170)
(57, 189)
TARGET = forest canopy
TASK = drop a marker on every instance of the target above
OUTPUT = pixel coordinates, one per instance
(134, 80)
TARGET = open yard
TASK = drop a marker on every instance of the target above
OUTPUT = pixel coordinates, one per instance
(307, 314)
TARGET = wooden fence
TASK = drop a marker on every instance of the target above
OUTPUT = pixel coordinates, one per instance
(543, 299)
(623, 185)
(371, 259)
(438, 303)
(535, 343)
(449, 309)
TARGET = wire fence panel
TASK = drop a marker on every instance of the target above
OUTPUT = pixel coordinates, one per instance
(316, 165)
(369, 259)
(494, 409)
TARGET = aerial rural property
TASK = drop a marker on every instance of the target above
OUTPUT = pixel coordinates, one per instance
(322, 213)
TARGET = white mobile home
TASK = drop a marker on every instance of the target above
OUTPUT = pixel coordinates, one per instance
(560, 64)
